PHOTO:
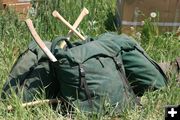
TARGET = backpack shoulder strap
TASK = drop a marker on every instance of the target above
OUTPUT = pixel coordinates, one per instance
(57, 40)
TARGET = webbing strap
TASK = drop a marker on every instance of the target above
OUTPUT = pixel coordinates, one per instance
(119, 68)
(118, 63)
(124, 79)
(83, 84)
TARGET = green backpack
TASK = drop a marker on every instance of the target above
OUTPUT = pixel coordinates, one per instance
(98, 74)
(31, 76)
(93, 74)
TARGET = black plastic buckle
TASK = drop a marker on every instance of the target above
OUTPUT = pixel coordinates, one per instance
(118, 63)
(82, 71)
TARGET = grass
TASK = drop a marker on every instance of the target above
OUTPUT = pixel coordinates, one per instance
(14, 38)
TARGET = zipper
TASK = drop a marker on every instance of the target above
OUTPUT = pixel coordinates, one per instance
(98, 58)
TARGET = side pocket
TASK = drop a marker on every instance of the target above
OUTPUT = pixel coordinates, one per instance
(142, 72)
(23, 66)
(153, 62)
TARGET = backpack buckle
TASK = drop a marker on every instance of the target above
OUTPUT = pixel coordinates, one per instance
(82, 71)
(118, 63)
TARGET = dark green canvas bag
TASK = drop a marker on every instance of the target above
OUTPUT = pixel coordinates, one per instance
(93, 73)
(30, 76)
(90, 74)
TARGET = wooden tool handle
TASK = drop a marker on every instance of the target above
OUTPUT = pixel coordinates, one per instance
(38, 102)
(39, 41)
(83, 13)
(57, 15)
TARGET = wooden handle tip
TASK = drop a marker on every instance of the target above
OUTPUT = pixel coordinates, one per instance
(28, 20)
(85, 10)
(55, 13)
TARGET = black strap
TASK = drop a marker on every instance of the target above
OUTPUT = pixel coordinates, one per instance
(124, 79)
(60, 39)
(83, 83)
(118, 64)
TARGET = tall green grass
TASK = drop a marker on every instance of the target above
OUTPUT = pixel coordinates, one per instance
(14, 38)
(162, 46)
